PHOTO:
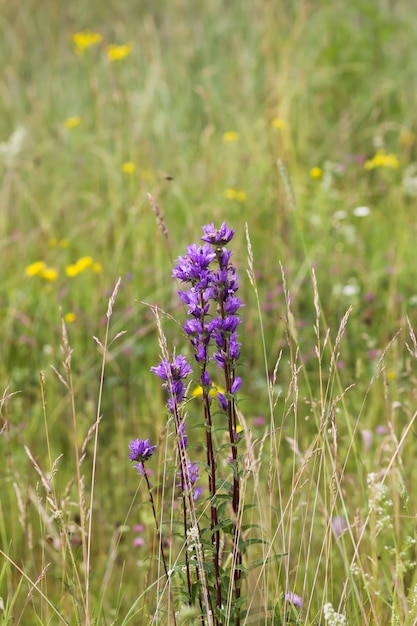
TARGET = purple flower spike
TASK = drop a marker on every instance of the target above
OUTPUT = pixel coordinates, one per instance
(218, 237)
(189, 478)
(140, 450)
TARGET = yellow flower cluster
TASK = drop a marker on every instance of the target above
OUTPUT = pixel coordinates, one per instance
(39, 268)
(198, 391)
(117, 53)
(85, 39)
(128, 167)
(278, 123)
(316, 172)
(70, 317)
(382, 159)
(235, 194)
(231, 135)
(72, 122)
(81, 265)
(54, 243)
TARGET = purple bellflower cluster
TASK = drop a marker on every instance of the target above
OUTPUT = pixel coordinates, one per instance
(210, 294)
(211, 326)
(140, 451)
(218, 288)
(188, 478)
(173, 375)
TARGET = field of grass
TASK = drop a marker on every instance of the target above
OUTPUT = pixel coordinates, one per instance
(295, 122)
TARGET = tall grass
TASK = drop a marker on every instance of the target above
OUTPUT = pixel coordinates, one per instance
(327, 274)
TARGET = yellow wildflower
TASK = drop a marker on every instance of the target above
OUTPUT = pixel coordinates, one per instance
(49, 273)
(85, 39)
(230, 194)
(72, 122)
(235, 194)
(35, 268)
(117, 53)
(62, 243)
(70, 317)
(97, 268)
(72, 270)
(84, 262)
(391, 375)
(128, 167)
(80, 266)
(278, 123)
(316, 172)
(198, 391)
(230, 135)
(382, 159)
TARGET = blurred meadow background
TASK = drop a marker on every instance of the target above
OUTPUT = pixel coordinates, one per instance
(295, 118)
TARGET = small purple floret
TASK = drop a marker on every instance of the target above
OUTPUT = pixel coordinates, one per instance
(220, 236)
(236, 384)
(294, 599)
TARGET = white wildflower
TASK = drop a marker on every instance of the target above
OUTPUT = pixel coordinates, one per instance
(331, 617)
(361, 211)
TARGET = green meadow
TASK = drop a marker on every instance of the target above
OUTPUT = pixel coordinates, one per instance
(124, 128)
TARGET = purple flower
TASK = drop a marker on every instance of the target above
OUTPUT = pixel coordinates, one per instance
(339, 525)
(221, 236)
(232, 304)
(141, 468)
(173, 374)
(193, 327)
(236, 384)
(234, 347)
(177, 370)
(191, 267)
(230, 323)
(140, 450)
(189, 478)
(192, 472)
(294, 599)
(138, 528)
(205, 379)
(222, 401)
(138, 542)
